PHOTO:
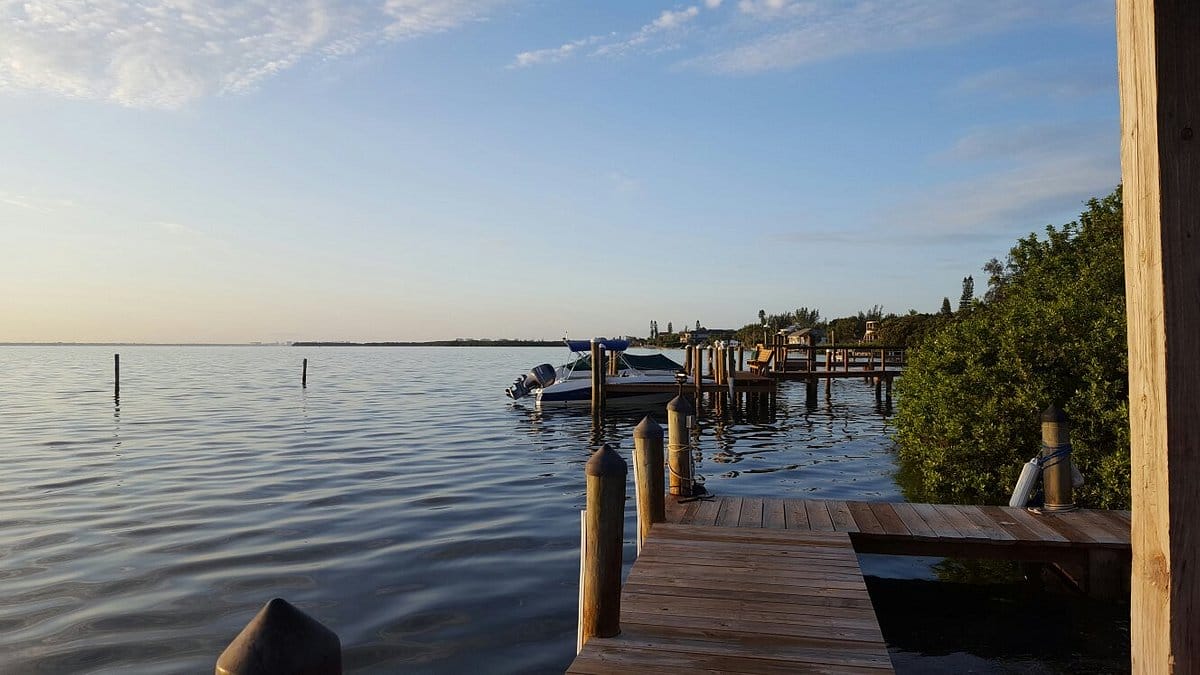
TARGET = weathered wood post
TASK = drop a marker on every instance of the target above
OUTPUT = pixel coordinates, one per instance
(1056, 461)
(601, 582)
(687, 359)
(304, 374)
(649, 481)
(116, 376)
(679, 452)
(1158, 58)
(698, 376)
(828, 369)
(282, 639)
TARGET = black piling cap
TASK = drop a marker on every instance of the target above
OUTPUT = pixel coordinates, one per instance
(606, 462)
(282, 639)
(681, 404)
(1053, 414)
(648, 428)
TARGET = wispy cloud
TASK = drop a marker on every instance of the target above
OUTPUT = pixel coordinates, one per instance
(553, 54)
(669, 23)
(765, 35)
(1065, 80)
(1043, 169)
(784, 34)
(164, 53)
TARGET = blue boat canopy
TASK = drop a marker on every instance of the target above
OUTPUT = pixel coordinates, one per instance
(586, 345)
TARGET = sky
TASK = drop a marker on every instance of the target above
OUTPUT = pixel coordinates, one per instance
(277, 170)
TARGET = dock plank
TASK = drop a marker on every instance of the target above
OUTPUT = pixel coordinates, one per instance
(773, 516)
(864, 518)
(729, 511)
(818, 516)
(707, 513)
(843, 520)
(752, 512)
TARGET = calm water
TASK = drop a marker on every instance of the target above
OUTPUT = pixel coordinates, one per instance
(400, 499)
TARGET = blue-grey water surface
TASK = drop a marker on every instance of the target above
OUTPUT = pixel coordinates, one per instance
(400, 499)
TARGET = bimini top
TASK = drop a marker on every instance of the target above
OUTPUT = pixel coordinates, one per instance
(586, 345)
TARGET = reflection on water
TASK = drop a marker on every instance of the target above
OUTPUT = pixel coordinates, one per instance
(400, 499)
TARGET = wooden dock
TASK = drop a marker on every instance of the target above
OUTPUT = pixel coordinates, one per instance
(763, 585)
(716, 599)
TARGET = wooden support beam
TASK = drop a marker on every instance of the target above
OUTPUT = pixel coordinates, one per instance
(1158, 57)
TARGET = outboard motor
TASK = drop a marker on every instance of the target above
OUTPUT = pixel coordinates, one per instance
(540, 376)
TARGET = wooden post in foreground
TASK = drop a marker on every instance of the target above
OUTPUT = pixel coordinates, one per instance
(282, 639)
(1158, 58)
(601, 581)
(116, 376)
(679, 451)
(648, 477)
(304, 374)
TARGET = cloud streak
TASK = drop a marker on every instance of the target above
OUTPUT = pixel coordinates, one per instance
(786, 34)
(165, 53)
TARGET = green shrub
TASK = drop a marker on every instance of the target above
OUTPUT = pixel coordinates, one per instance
(1051, 330)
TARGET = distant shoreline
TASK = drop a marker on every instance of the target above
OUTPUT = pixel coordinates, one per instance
(432, 343)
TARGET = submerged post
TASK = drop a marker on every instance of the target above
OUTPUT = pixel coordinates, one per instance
(679, 452)
(601, 581)
(116, 375)
(1056, 461)
(282, 639)
(648, 477)
(304, 374)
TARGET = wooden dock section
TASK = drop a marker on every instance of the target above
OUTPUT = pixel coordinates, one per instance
(717, 599)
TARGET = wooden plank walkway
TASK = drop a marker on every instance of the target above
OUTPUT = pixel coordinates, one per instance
(924, 529)
(717, 599)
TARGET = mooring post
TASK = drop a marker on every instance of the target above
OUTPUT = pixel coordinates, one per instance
(116, 376)
(687, 359)
(679, 451)
(597, 379)
(601, 614)
(1056, 461)
(304, 374)
(282, 639)
(649, 481)
(698, 375)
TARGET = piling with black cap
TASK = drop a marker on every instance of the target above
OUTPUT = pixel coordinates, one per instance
(304, 374)
(600, 615)
(116, 375)
(282, 639)
(1056, 461)
(649, 478)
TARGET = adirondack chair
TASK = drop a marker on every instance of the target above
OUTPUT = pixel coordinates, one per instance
(762, 359)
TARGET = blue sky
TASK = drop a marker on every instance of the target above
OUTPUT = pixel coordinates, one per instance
(195, 170)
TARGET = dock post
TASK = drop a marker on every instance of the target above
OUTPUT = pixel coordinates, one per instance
(282, 639)
(116, 376)
(698, 375)
(1056, 461)
(648, 479)
(597, 380)
(601, 581)
(828, 380)
(687, 359)
(304, 374)
(679, 452)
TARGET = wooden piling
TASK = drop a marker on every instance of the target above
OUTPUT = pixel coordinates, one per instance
(597, 379)
(679, 452)
(282, 639)
(649, 481)
(601, 582)
(116, 376)
(1157, 57)
(1056, 461)
(304, 374)
(687, 359)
